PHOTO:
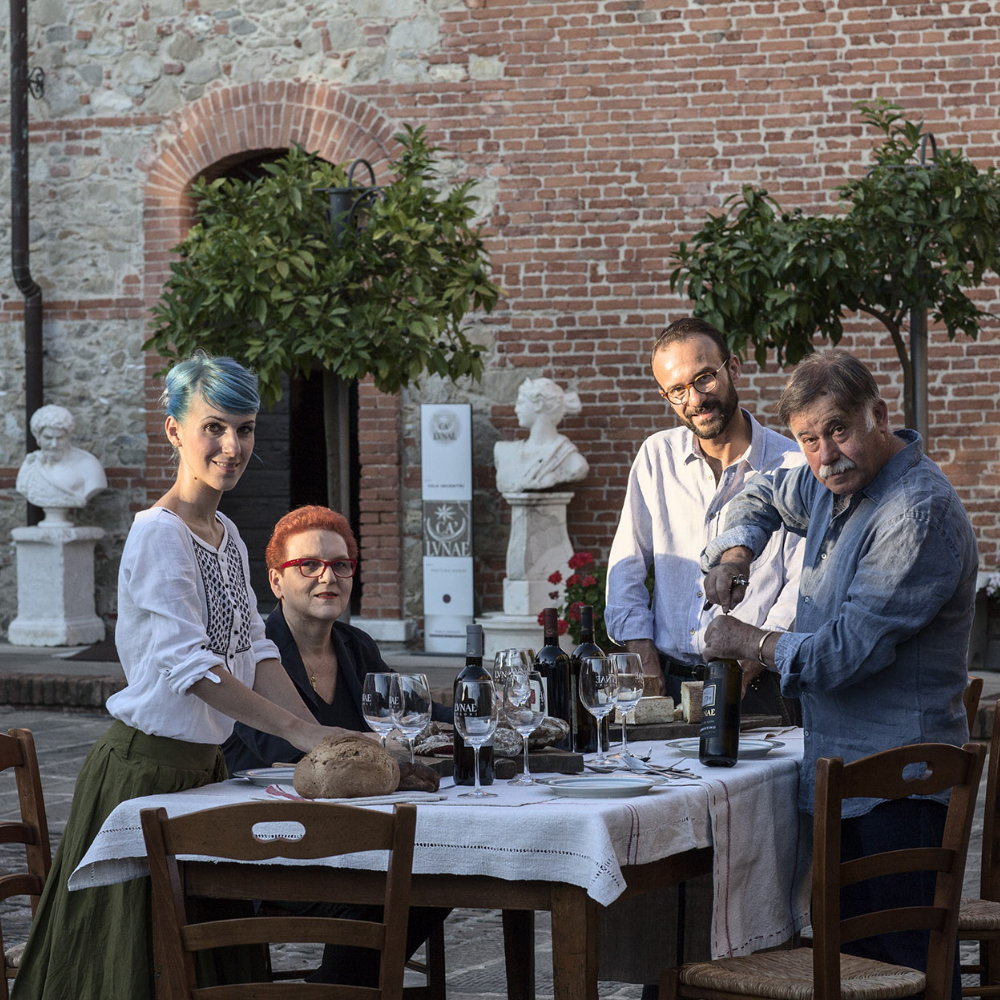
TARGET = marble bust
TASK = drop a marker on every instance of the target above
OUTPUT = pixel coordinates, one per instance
(58, 475)
(546, 458)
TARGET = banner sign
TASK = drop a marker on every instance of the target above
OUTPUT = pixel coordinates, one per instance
(446, 492)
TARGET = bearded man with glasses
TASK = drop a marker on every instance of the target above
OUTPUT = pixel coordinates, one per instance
(679, 488)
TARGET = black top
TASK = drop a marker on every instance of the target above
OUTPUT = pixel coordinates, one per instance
(357, 654)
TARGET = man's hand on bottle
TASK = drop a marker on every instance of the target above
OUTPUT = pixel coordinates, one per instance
(727, 638)
(726, 583)
(653, 684)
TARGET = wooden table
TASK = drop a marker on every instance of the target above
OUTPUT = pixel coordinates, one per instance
(533, 851)
(574, 913)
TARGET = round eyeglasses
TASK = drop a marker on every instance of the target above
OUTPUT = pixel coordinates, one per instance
(312, 568)
(703, 383)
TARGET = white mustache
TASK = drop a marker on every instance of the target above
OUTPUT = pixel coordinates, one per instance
(841, 465)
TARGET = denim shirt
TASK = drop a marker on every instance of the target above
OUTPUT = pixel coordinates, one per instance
(886, 597)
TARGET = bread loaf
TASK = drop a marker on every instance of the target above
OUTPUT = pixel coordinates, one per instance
(418, 778)
(345, 767)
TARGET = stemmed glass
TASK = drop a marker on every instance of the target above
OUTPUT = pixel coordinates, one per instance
(476, 721)
(411, 705)
(524, 709)
(376, 703)
(598, 692)
(628, 666)
(511, 661)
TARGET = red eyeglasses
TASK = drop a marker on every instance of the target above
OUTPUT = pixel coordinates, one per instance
(312, 568)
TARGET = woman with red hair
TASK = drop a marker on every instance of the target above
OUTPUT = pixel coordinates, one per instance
(311, 560)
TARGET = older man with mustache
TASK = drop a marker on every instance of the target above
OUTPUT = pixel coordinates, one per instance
(878, 652)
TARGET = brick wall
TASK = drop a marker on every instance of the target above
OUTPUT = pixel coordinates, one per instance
(601, 133)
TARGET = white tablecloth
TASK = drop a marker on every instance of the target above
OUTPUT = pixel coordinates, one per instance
(748, 812)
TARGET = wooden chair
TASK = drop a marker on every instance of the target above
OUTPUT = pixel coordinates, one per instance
(228, 833)
(818, 972)
(979, 919)
(970, 698)
(17, 751)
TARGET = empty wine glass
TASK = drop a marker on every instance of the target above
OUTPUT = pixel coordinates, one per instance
(510, 661)
(411, 705)
(628, 666)
(524, 709)
(598, 692)
(476, 721)
(376, 703)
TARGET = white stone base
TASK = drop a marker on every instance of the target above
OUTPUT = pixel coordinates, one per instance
(386, 629)
(55, 587)
(509, 632)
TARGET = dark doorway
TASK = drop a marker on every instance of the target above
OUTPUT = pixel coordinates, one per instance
(289, 465)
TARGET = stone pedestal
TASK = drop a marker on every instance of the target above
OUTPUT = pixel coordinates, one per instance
(539, 544)
(55, 586)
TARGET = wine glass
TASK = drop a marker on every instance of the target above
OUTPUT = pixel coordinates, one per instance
(411, 705)
(510, 661)
(598, 692)
(476, 721)
(524, 709)
(628, 666)
(376, 703)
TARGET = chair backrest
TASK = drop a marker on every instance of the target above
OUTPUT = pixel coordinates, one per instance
(970, 699)
(228, 832)
(989, 880)
(887, 775)
(17, 753)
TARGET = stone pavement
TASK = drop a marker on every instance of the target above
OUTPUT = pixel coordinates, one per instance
(57, 699)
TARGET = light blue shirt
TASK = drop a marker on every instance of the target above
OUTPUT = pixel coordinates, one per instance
(673, 508)
(878, 655)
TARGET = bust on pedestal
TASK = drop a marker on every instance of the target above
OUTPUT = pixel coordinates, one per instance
(55, 559)
(527, 471)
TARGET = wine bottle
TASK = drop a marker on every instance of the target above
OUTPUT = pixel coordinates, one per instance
(462, 754)
(720, 714)
(554, 666)
(585, 728)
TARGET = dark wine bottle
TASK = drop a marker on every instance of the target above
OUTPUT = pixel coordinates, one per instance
(463, 755)
(720, 714)
(584, 726)
(554, 666)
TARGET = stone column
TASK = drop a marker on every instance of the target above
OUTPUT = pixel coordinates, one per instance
(539, 544)
(55, 586)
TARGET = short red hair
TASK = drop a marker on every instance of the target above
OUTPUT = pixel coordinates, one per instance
(308, 518)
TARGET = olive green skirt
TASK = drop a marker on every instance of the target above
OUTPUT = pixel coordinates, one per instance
(96, 943)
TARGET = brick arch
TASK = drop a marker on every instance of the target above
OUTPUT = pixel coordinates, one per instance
(229, 124)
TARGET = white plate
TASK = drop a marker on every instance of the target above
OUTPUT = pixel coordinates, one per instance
(749, 749)
(602, 786)
(265, 776)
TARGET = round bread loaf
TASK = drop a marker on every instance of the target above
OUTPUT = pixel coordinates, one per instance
(345, 767)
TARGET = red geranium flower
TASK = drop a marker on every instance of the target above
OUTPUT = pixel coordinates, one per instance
(553, 595)
(563, 627)
(579, 559)
(588, 581)
(572, 581)
(555, 577)
(573, 611)
(541, 618)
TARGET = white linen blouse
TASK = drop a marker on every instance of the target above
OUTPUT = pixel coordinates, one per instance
(184, 607)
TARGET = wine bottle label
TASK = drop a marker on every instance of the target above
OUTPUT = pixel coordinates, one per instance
(711, 716)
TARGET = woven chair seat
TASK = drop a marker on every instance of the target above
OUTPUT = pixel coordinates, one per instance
(788, 975)
(979, 915)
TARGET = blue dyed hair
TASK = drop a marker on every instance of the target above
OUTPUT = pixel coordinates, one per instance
(222, 382)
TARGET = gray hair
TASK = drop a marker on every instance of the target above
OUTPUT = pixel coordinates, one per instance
(51, 416)
(834, 373)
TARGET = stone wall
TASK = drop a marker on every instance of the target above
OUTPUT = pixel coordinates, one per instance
(601, 131)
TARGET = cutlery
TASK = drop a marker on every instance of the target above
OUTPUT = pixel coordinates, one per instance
(641, 768)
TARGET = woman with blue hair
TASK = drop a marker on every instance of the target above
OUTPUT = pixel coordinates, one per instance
(196, 658)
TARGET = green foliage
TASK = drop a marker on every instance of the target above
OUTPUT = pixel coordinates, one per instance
(910, 235)
(264, 276)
